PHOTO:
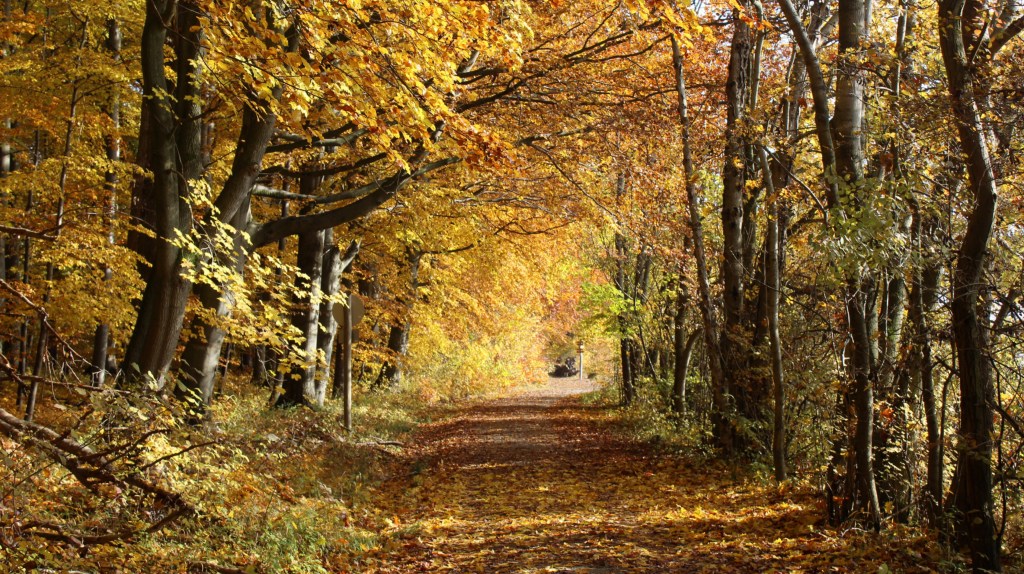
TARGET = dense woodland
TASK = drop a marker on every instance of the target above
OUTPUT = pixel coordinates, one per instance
(788, 233)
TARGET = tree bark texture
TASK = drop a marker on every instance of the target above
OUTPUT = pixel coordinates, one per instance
(299, 384)
(733, 336)
(961, 25)
(330, 283)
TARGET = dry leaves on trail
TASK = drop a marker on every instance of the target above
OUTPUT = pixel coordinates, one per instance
(539, 484)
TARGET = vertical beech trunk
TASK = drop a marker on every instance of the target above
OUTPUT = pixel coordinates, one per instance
(808, 41)
(861, 290)
(174, 140)
(923, 300)
(773, 287)
(341, 379)
(342, 385)
(895, 448)
(723, 432)
(330, 283)
(113, 148)
(300, 386)
(962, 24)
(203, 349)
(629, 374)
(733, 338)
(684, 355)
(198, 370)
(25, 331)
(841, 142)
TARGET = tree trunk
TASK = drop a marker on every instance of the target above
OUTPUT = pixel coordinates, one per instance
(772, 288)
(203, 349)
(683, 350)
(343, 367)
(860, 296)
(861, 289)
(26, 277)
(398, 345)
(923, 300)
(778, 390)
(175, 157)
(961, 24)
(330, 283)
(719, 389)
(300, 386)
(113, 148)
(260, 372)
(198, 371)
(684, 354)
(807, 40)
(733, 337)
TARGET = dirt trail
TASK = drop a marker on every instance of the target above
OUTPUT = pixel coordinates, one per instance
(537, 483)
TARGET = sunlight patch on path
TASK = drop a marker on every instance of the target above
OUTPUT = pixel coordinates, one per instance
(536, 483)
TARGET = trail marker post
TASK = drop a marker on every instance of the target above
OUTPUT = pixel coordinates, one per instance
(579, 349)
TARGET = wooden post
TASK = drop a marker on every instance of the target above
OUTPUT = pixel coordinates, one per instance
(579, 348)
(345, 363)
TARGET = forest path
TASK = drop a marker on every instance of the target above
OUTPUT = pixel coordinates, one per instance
(539, 483)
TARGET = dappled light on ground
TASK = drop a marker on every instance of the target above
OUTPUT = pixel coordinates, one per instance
(539, 483)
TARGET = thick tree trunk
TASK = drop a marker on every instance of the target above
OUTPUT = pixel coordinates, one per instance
(330, 283)
(260, 368)
(175, 158)
(300, 386)
(398, 346)
(961, 24)
(203, 349)
(199, 360)
(733, 336)
(734, 180)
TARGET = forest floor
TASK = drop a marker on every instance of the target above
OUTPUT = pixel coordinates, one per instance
(542, 482)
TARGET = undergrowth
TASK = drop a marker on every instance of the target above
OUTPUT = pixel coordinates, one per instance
(647, 420)
(275, 491)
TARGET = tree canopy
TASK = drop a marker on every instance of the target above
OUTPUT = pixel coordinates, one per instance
(787, 234)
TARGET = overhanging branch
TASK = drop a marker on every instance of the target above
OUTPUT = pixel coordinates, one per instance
(371, 196)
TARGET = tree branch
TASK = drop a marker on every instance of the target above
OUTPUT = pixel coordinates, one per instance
(23, 232)
(331, 138)
(373, 196)
(326, 171)
(1000, 38)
